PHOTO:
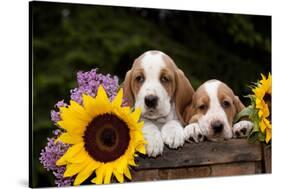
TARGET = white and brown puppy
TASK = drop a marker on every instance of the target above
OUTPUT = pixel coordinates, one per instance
(211, 114)
(161, 90)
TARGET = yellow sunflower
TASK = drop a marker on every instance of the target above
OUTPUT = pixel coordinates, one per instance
(104, 136)
(263, 104)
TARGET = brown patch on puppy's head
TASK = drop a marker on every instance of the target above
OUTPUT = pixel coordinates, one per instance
(199, 106)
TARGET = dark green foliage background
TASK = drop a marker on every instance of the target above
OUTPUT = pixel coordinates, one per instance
(70, 37)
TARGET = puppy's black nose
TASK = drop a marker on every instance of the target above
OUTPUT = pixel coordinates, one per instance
(151, 101)
(217, 126)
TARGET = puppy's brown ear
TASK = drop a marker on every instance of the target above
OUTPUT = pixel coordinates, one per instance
(183, 95)
(128, 93)
(238, 104)
(188, 113)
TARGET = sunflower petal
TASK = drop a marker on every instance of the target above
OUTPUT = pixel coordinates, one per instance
(126, 110)
(132, 162)
(138, 136)
(73, 169)
(69, 139)
(84, 174)
(140, 124)
(268, 135)
(141, 149)
(73, 150)
(118, 99)
(79, 158)
(262, 125)
(89, 104)
(122, 163)
(74, 111)
(102, 103)
(108, 173)
(263, 77)
(101, 95)
(73, 127)
(127, 173)
(100, 175)
(136, 114)
(118, 176)
(76, 107)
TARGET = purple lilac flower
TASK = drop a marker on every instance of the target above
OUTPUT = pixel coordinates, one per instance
(60, 180)
(60, 104)
(88, 82)
(49, 156)
(55, 115)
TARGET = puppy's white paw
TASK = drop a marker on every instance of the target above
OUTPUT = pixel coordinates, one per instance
(193, 133)
(172, 134)
(242, 129)
(155, 145)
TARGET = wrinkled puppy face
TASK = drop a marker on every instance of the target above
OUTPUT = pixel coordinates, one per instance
(153, 85)
(214, 105)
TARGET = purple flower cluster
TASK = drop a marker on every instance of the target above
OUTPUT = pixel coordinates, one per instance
(88, 82)
(55, 115)
(49, 156)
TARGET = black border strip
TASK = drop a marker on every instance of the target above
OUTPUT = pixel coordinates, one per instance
(30, 97)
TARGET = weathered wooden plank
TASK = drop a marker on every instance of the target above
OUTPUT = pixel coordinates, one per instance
(267, 158)
(232, 169)
(259, 167)
(146, 175)
(228, 169)
(185, 172)
(206, 153)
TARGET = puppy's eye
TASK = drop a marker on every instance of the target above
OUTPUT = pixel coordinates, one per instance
(225, 104)
(140, 79)
(202, 107)
(164, 79)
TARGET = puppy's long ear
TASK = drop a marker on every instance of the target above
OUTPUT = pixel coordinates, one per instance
(183, 95)
(188, 113)
(238, 104)
(128, 93)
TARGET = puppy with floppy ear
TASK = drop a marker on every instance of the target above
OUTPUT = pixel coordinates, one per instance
(214, 106)
(161, 90)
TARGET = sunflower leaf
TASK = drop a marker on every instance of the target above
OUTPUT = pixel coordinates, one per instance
(244, 113)
(253, 137)
(261, 137)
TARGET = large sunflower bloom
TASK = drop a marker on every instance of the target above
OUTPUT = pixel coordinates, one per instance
(263, 104)
(104, 136)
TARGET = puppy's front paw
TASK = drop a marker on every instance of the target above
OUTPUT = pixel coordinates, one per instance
(155, 145)
(172, 134)
(193, 133)
(242, 129)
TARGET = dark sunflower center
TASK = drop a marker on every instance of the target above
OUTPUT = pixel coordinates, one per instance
(106, 138)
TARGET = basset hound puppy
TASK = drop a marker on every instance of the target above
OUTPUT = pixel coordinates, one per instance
(211, 114)
(161, 90)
